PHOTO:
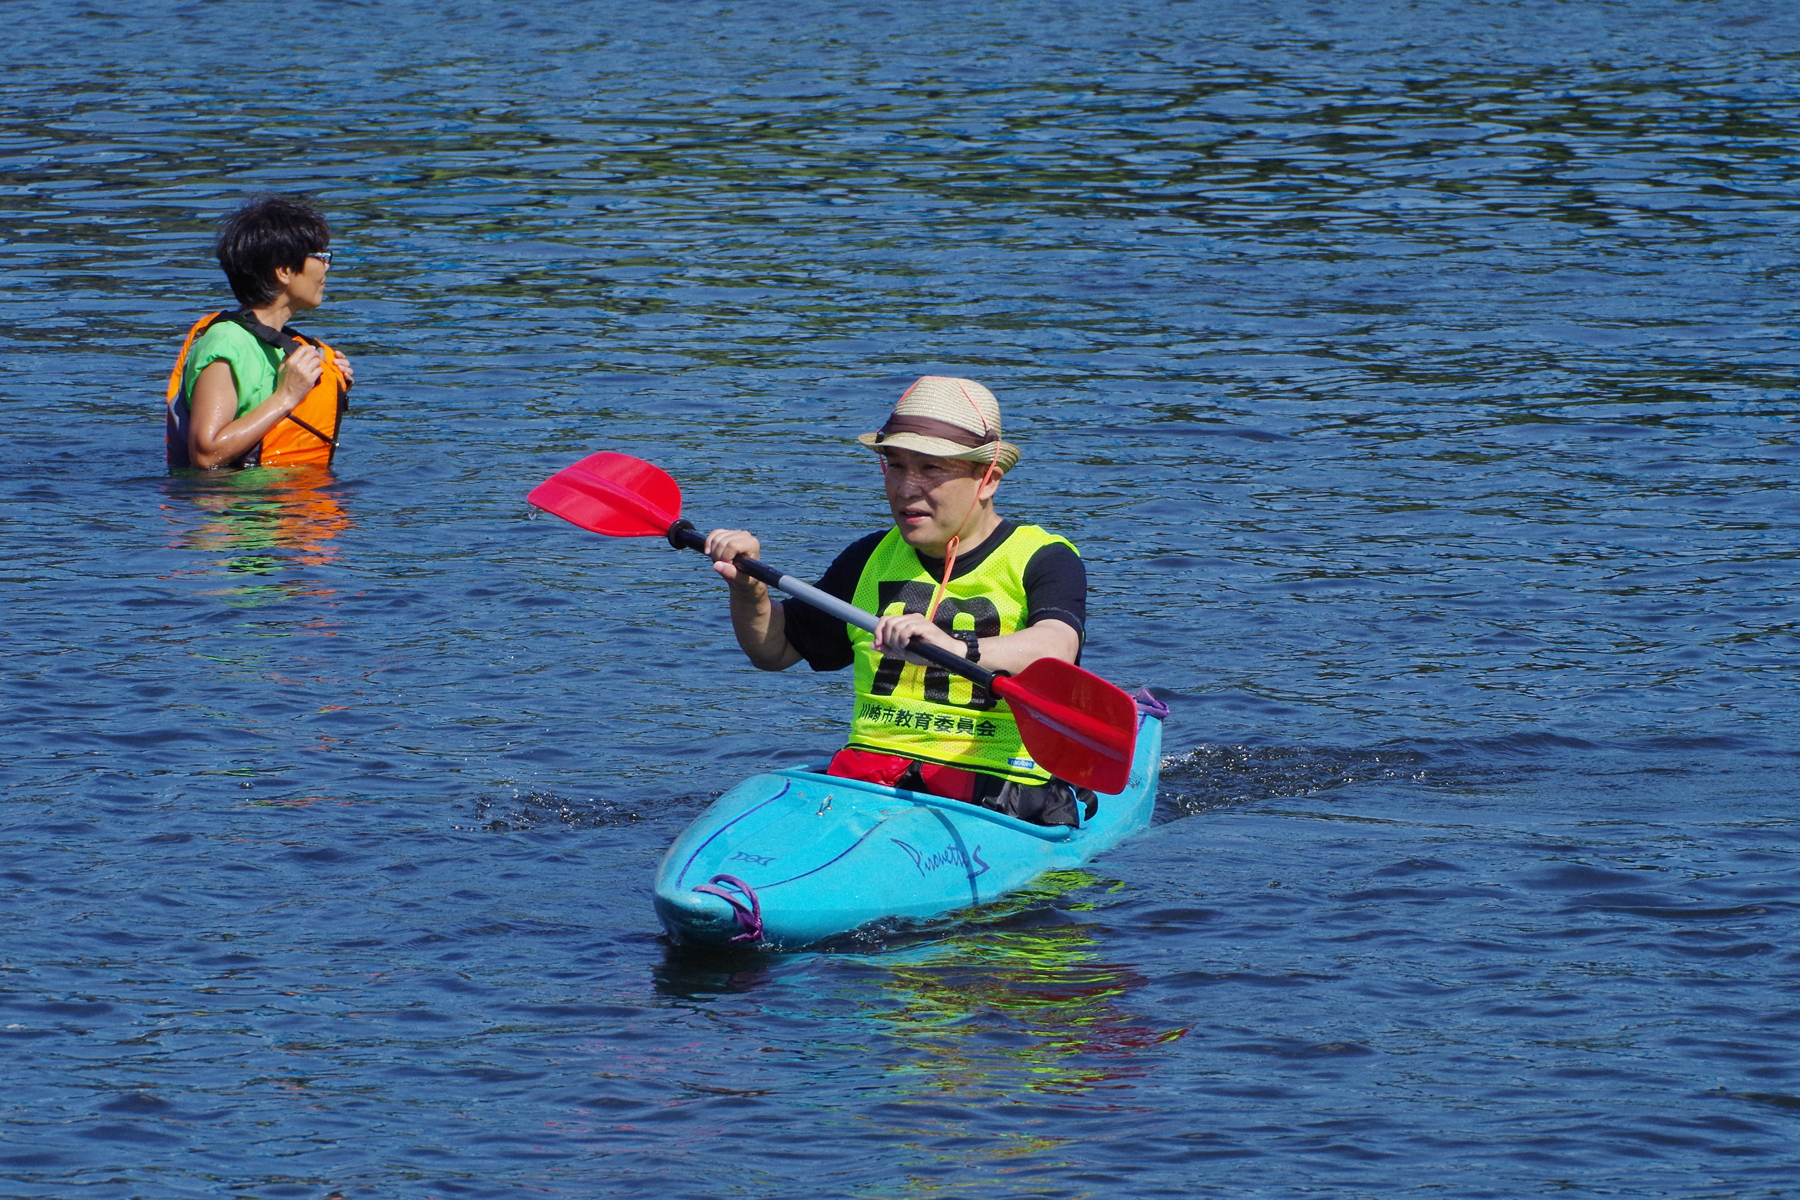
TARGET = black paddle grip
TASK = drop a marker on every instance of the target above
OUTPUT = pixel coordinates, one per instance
(954, 663)
(683, 536)
(757, 571)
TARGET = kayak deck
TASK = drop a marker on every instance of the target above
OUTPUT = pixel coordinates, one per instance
(790, 857)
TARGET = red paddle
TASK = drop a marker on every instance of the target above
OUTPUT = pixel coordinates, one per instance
(1076, 725)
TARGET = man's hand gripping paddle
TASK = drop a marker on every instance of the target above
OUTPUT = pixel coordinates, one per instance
(1075, 724)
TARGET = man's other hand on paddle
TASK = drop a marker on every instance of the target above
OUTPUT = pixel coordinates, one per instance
(1011, 653)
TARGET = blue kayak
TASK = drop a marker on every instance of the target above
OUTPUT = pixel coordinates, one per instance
(791, 857)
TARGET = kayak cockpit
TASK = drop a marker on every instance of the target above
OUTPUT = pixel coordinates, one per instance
(832, 785)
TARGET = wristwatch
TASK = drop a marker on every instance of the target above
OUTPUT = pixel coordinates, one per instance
(968, 638)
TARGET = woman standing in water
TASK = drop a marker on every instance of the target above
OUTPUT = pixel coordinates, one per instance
(247, 390)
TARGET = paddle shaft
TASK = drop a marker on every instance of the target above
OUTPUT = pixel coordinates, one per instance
(682, 535)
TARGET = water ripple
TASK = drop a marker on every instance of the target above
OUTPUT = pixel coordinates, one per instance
(1417, 381)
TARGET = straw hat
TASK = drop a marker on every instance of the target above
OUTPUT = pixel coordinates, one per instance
(946, 417)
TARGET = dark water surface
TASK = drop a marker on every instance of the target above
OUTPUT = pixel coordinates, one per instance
(1417, 379)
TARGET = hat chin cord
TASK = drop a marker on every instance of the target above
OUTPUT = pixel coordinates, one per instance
(993, 436)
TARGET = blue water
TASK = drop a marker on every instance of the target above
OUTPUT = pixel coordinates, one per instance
(1417, 379)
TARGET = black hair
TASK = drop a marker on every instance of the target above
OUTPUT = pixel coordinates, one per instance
(268, 232)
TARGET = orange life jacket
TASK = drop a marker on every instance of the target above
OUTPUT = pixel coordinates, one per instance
(307, 435)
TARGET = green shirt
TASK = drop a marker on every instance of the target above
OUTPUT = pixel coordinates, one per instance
(255, 365)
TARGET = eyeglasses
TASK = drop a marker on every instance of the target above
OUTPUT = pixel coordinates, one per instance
(931, 471)
(323, 256)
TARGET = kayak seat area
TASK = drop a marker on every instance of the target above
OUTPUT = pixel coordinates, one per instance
(815, 778)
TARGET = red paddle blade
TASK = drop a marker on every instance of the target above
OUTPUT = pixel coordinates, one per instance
(1076, 725)
(614, 494)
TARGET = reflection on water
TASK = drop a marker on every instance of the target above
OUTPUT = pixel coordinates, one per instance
(264, 521)
(997, 1013)
(687, 973)
(996, 1046)
(1017, 998)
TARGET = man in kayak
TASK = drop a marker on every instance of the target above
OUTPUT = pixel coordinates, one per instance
(246, 389)
(951, 572)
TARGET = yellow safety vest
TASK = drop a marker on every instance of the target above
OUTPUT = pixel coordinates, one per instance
(926, 712)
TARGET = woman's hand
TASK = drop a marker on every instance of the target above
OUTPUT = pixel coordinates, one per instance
(343, 365)
(299, 375)
(894, 634)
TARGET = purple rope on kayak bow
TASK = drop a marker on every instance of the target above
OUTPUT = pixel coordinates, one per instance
(749, 918)
(1149, 705)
